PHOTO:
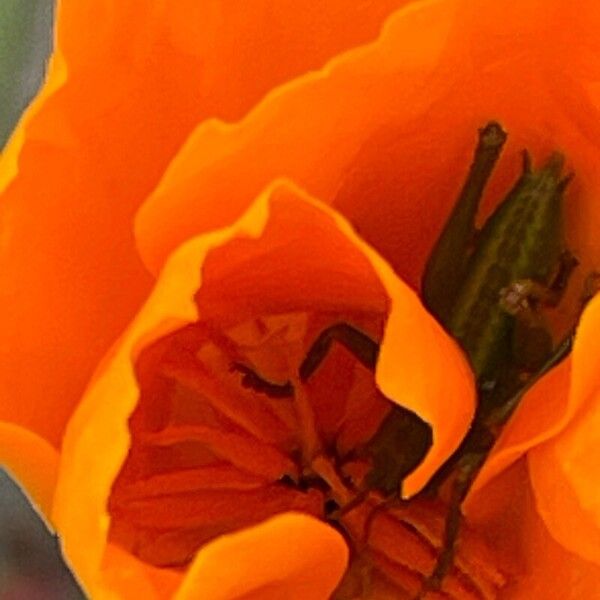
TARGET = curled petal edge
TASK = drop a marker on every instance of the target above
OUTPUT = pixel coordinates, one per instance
(434, 381)
(33, 462)
(9, 159)
(248, 564)
(564, 470)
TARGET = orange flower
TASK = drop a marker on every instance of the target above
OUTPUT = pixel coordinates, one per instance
(168, 477)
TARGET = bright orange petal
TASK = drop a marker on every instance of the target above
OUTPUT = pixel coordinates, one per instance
(32, 461)
(416, 376)
(366, 131)
(129, 82)
(564, 473)
(543, 413)
(289, 556)
(565, 470)
(134, 579)
(429, 376)
(421, 368)
(262, 43)
(308, 130)
(506, 511)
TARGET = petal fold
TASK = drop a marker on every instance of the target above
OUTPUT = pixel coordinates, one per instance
(363, 132)
(127, 84)
(507, 512)
(565, 470)
(289, 556)
(250, 262)
(32, 462)
(307, 130)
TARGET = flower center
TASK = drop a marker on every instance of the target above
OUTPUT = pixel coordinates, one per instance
(228, 432)
(396, 543)
(399, 546)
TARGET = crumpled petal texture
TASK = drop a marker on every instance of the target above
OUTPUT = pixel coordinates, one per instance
(267, 230)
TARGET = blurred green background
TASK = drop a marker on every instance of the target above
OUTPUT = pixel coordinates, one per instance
(30, 563)
(25, 40)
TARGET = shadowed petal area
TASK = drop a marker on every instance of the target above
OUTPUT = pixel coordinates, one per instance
(507, 512)
(534, 422)
(197, 446)
(568, 391)
(290, 556)
(564, 470)
(400, 546)
(128, 82)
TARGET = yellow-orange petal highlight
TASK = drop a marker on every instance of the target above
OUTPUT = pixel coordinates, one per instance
(32, 461)
(564, 470)
(565, 480)
(441, 390)
(289, 556)
(420, 367)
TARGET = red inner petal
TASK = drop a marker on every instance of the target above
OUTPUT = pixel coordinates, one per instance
(401, 545)
(210, 455)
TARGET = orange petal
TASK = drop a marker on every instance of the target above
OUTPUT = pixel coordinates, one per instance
(421, 368)
(129, 82)
(305, 257)
(417, 376)
(364, 133)
(403, 543)
(506, 510)
(134, 579)
(429, 376)
(289, 556)
(565, 470)
(542, 414)
(32, 461)
(564, 474)
(261, 43)
(309, 130)
(398, 99)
